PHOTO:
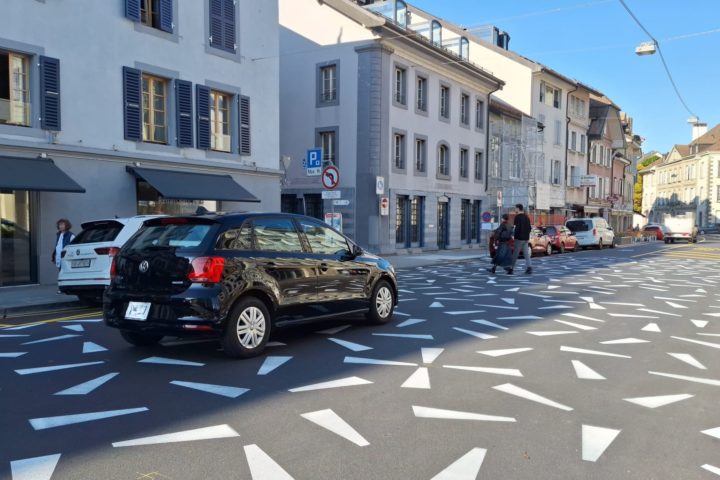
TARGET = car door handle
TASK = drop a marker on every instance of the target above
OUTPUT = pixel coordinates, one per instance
(324, 267)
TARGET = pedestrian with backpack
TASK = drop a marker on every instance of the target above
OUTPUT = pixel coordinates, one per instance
(502, 236)
(522, 239)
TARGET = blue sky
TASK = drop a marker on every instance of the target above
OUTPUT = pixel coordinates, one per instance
(594, 41)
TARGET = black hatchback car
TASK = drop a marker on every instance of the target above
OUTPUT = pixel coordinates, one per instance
(239, 275)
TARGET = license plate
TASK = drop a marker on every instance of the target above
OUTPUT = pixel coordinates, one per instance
(137, 310)
(80, 263)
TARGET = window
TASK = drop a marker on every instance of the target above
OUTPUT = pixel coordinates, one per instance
(420, 154)
(463, 163)
(443, 160)
(401, 13)
(399, 150)
(558, 132)
(313, 205)
(465, 221)
(276, 235)
(542, 131)
(399, 91)
(14, 90)
(328, 143)
(236, 239)
(583, 140)
(324, 240)
(514, 161)
(154, 105)
(222, 25)
(608, 156)
(220, 138)
(149, 13)
(577, 106)
(328, 85)
(573, 141)
(464, 48)
(400, 223)
(555, 173)
(479, 165)
(465, 109)
(479, 114)
(421, 94)
(152, 13)
(416, 222)
(444, 101)
(436, 33)
(573, 180)
(475, 221)
(550, 95)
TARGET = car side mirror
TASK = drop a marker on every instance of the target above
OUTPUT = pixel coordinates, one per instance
(357, 250)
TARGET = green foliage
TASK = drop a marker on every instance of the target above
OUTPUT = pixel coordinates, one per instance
(638, 187)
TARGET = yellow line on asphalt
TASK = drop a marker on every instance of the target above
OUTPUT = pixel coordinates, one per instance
(656, 252)
(694, 256)
(60, 319)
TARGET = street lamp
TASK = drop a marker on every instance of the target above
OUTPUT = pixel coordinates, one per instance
(646, 48)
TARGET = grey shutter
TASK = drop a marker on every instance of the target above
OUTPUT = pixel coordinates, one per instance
(216, 23)
(229, 25)
(244, 117)
(132, 10)
(184, 109)
(202, 96)
(49, 93)
(166, 15)
(132, 101)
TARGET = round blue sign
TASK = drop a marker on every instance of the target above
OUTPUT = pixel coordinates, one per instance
(486, 216)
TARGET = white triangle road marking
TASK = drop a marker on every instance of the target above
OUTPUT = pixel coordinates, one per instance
(658, 401)
(262, 466)
(595, 440)
(329, 420)
(37, 468)
(205, 433)
(466, 467)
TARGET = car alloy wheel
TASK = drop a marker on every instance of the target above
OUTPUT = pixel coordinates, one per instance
(382, 303)
(251, 327)
(247, 329)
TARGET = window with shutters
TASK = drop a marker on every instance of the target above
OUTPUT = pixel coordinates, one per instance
(154, 109)
(154, 14)
(150, 13)
(14, 90)
(223, 25)
(220, 137)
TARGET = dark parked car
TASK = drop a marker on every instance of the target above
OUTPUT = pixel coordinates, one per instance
(561, 238)
(237, 276)
(714, 228)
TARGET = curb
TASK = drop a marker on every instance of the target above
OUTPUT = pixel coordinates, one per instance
(39, 308)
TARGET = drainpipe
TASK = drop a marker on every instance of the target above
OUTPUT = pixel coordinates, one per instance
(487, 139)
(567, 136)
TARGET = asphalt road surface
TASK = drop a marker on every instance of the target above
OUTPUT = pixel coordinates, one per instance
(600, 365)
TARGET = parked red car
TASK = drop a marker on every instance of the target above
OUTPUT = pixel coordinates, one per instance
(539, 243)
(561, 238)
(656, 229)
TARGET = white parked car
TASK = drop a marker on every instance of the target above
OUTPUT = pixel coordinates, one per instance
(85, 264)
(592, 232)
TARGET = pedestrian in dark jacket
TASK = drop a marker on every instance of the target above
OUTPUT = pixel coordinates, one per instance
(522, 238)
(62, 238)
(502, 236)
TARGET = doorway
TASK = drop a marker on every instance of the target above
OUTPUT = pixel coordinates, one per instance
(442, 227)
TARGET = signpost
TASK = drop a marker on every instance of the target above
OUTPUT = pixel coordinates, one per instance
(341, 203)
(486, 217)
(330, 177)
(334, 220)
(384, 206)
(588, 180)
(331, 194)
(313, 164)
(499, 198)
(379, 185)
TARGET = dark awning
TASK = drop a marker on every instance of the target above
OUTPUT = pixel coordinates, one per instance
(17, 173)
(193, 186)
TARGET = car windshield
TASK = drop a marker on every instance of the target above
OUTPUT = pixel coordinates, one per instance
(578, 225)
(98, 232)
(550, 231)
(184, 235)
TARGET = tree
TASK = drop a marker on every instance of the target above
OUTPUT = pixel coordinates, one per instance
(638, 187)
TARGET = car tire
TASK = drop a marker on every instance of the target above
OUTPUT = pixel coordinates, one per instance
(548, 250)
(247, 329)
(583, 247)
(382, 303)
(140, 339)
(667, 240)
(612, 244)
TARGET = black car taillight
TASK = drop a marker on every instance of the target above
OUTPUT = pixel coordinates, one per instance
(206, 269)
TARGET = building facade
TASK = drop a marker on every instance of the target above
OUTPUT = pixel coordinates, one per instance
(399, 112)
(168, 106)
(578, 124)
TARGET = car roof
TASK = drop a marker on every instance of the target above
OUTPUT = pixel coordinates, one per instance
(233, 217)
(123, 220)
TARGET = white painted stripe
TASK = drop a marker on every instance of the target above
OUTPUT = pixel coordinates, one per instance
(595, 440)
(62, 420)
(699, 342)
(584, 372)
(24, 327)
(333, 331)
(342, 382)
(659, 311)
(502, 307)
(430, 354)
(651, 327)
(30, 371)
(624, 304)
(170, 361)
(706, 381)
(712, 314)
(466, 467)
(89, 386)
(676, 305)
(513, 372)
(87, 320)
(521, 317)
(419, 379)
(700, 323)
(713, 432)
(411, 321)
(627, 315)
(552, 332)
(576, 325)
(511, 301)
(464, 312)
(582, 317)
(405, 335)
(436, 305)
(224, 390)
(14, 335)
(595, 306)
(502, 352)
(489, 324)
(622, 341)
(331, 421)
(75, 328)
(511, 389)
(262, 466)
(90, 347)
(710, 334)
(592, 352)
(205, 433)
(588, 299)
(12, 354)
(711, 469)
(37, 468)
(372, 361)
(355, 347)
(556, 307)
(428, 412)
(271, 363)
(483, 336)
(51, 339)
(689, 359)
(658, 401)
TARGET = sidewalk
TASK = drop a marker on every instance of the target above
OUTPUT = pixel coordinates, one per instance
(29, 298)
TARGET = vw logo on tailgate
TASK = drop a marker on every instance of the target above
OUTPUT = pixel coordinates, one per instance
(144, 266)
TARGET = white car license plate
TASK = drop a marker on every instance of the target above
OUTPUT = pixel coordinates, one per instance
(80, 263)
(137, 310)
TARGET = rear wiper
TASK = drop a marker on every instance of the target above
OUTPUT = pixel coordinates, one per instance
(159, 247)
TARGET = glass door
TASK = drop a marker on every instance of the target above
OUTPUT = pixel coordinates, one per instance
(442, 227)
(15, 251)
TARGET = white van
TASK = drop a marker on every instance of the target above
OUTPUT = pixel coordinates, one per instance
(592, 232)
(85, 264)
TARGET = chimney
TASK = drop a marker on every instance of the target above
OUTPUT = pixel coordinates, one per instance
(698, 130)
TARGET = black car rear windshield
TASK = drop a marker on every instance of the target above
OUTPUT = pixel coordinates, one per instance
(96, 232)
(578, 225)
(186, 235)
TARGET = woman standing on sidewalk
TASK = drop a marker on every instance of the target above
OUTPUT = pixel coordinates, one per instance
(62, 238)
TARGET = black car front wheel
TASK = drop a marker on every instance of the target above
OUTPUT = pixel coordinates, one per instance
(248, 329)
(140, 339)
(382, 303)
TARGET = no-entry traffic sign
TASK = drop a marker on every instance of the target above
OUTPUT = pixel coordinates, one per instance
(330, 177)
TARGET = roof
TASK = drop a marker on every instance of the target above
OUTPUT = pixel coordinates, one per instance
(505, 108)
(708, 141)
